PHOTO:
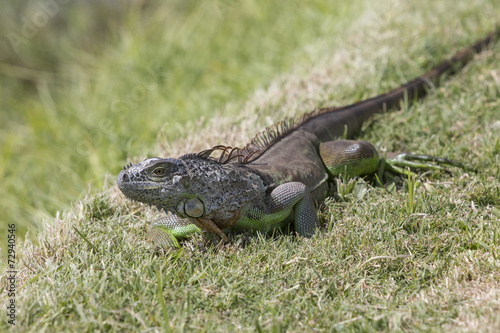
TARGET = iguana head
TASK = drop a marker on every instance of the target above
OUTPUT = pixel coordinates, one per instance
(189, 186)
(160, 182)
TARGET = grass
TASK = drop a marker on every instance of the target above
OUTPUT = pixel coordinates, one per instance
(398, 257)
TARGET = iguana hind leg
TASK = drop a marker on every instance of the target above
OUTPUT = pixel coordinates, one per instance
(349, 158)
(401, 163)
(358, 158)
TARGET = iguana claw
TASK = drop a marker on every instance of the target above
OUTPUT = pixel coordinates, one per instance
(404, 163)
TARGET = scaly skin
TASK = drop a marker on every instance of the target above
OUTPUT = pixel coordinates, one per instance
(276, 184)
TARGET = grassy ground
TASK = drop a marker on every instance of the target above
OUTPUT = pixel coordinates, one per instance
(388, 258)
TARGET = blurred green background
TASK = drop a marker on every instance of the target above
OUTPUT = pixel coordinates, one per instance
(86, 84)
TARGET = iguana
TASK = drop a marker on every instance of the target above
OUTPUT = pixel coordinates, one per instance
(276, 179)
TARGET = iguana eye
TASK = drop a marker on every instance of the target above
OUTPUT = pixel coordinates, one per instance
(160, 171)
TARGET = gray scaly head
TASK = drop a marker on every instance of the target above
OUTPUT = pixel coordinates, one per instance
(190, 186)
(158, 182)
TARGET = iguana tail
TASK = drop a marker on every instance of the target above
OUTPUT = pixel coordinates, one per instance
(353, 116)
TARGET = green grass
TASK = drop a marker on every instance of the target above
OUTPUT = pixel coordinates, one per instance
(418, 258)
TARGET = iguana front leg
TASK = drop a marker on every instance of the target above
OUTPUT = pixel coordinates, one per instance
(287, 201)
(295, 197)
(210, 226)
(166, 231)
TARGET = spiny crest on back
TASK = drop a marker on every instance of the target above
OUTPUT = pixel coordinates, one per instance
(262, 141)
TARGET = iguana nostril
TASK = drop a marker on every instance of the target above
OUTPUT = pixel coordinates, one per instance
(125, 177)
